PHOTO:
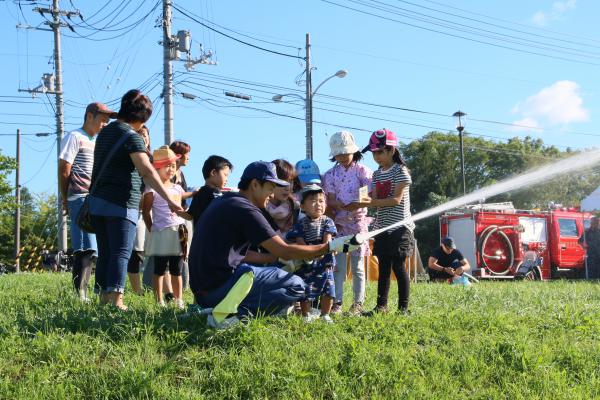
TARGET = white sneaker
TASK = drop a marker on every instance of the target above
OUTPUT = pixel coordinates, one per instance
(309, 318)
(180, 304)
(226, 323)
(327, 319)
(161, 304)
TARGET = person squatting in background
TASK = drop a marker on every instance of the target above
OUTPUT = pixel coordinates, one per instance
(75, 165)
(167, 240)
(391, 200)
(216, 170)
(446, 263)
(342, 184)
(315, 228)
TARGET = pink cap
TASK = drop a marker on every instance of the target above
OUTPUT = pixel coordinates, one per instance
(381, 138)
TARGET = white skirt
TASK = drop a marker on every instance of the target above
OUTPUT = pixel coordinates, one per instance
(163, 243)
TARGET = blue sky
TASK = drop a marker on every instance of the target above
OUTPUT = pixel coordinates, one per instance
(413, 56)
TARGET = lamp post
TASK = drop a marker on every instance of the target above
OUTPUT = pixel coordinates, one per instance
(308, 106)
(460, 116)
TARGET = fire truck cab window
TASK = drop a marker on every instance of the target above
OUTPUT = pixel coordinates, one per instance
(568, 227)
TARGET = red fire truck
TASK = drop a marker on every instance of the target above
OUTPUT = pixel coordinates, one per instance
(502, 242)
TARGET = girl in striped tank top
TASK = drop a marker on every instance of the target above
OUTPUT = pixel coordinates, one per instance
(390, 198)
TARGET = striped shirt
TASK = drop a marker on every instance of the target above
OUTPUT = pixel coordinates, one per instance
(120, 182)
(384, 184)
(77, 148)
(312, 230)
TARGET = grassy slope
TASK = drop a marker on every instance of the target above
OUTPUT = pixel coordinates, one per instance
(494, 340)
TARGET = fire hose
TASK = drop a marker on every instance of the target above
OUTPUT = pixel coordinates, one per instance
(483, 239)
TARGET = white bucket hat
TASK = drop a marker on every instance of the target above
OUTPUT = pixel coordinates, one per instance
(342, 143)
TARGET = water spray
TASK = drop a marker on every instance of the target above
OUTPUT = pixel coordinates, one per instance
(533, 177)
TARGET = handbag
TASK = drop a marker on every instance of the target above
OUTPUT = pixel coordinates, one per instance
(84, 218)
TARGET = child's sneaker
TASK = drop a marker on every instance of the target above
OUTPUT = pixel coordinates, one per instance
(356, 309)
(309, 318)
(327, 319)
(169, 297)
(180, 304)
(336, 309)
(162, 304)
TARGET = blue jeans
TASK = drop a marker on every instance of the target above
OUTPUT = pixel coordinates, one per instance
(272, 289)
(80, 240)
(115, 242)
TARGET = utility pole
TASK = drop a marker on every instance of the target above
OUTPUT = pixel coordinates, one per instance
(308, 106)
(18, 209)
(53, 85)
(167, 71)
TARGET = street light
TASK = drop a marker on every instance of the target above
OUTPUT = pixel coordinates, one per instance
(460, 116)
(308, 106)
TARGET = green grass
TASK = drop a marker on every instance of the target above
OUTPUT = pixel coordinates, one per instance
(496, 340)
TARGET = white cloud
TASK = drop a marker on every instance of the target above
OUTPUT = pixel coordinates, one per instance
(525, 124)
(557, 104)
(559, 8)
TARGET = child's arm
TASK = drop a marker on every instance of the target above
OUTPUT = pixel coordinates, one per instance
(327, 237)
(184, 215)
(147, 201)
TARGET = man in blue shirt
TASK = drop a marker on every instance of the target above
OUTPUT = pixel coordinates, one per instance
(232, 223)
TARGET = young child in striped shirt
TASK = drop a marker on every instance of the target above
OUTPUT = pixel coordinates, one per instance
(315, 228)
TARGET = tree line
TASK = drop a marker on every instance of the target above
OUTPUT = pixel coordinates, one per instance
(434, 163)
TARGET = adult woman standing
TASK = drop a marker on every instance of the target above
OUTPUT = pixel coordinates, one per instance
(114, 204)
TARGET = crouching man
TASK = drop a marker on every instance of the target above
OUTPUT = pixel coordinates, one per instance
(218, 277)
(446, 262)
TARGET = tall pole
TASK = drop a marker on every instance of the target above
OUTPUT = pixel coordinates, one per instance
(308, 106)
(18, 209)
(60, 124)
(167, 72)
(462, 159)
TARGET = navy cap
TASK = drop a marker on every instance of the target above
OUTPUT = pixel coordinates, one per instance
(448, 241)
(263, 171)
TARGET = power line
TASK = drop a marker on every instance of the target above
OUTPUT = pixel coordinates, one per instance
(460, 36)
(233, 38)
(461, 27)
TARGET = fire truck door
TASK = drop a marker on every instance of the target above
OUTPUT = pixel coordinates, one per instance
(569, 251)
(462, 231)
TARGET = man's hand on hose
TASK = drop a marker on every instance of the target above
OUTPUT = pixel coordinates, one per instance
(343, 244)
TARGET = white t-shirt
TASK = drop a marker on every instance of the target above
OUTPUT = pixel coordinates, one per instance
(77, 148)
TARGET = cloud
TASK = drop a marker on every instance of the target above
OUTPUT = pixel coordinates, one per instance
(525, 124)
(559, 8)
(555, 105)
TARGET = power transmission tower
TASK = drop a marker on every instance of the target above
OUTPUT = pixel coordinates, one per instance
(53, 85)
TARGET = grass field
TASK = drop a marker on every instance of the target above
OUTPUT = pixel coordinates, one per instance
(491, 341)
